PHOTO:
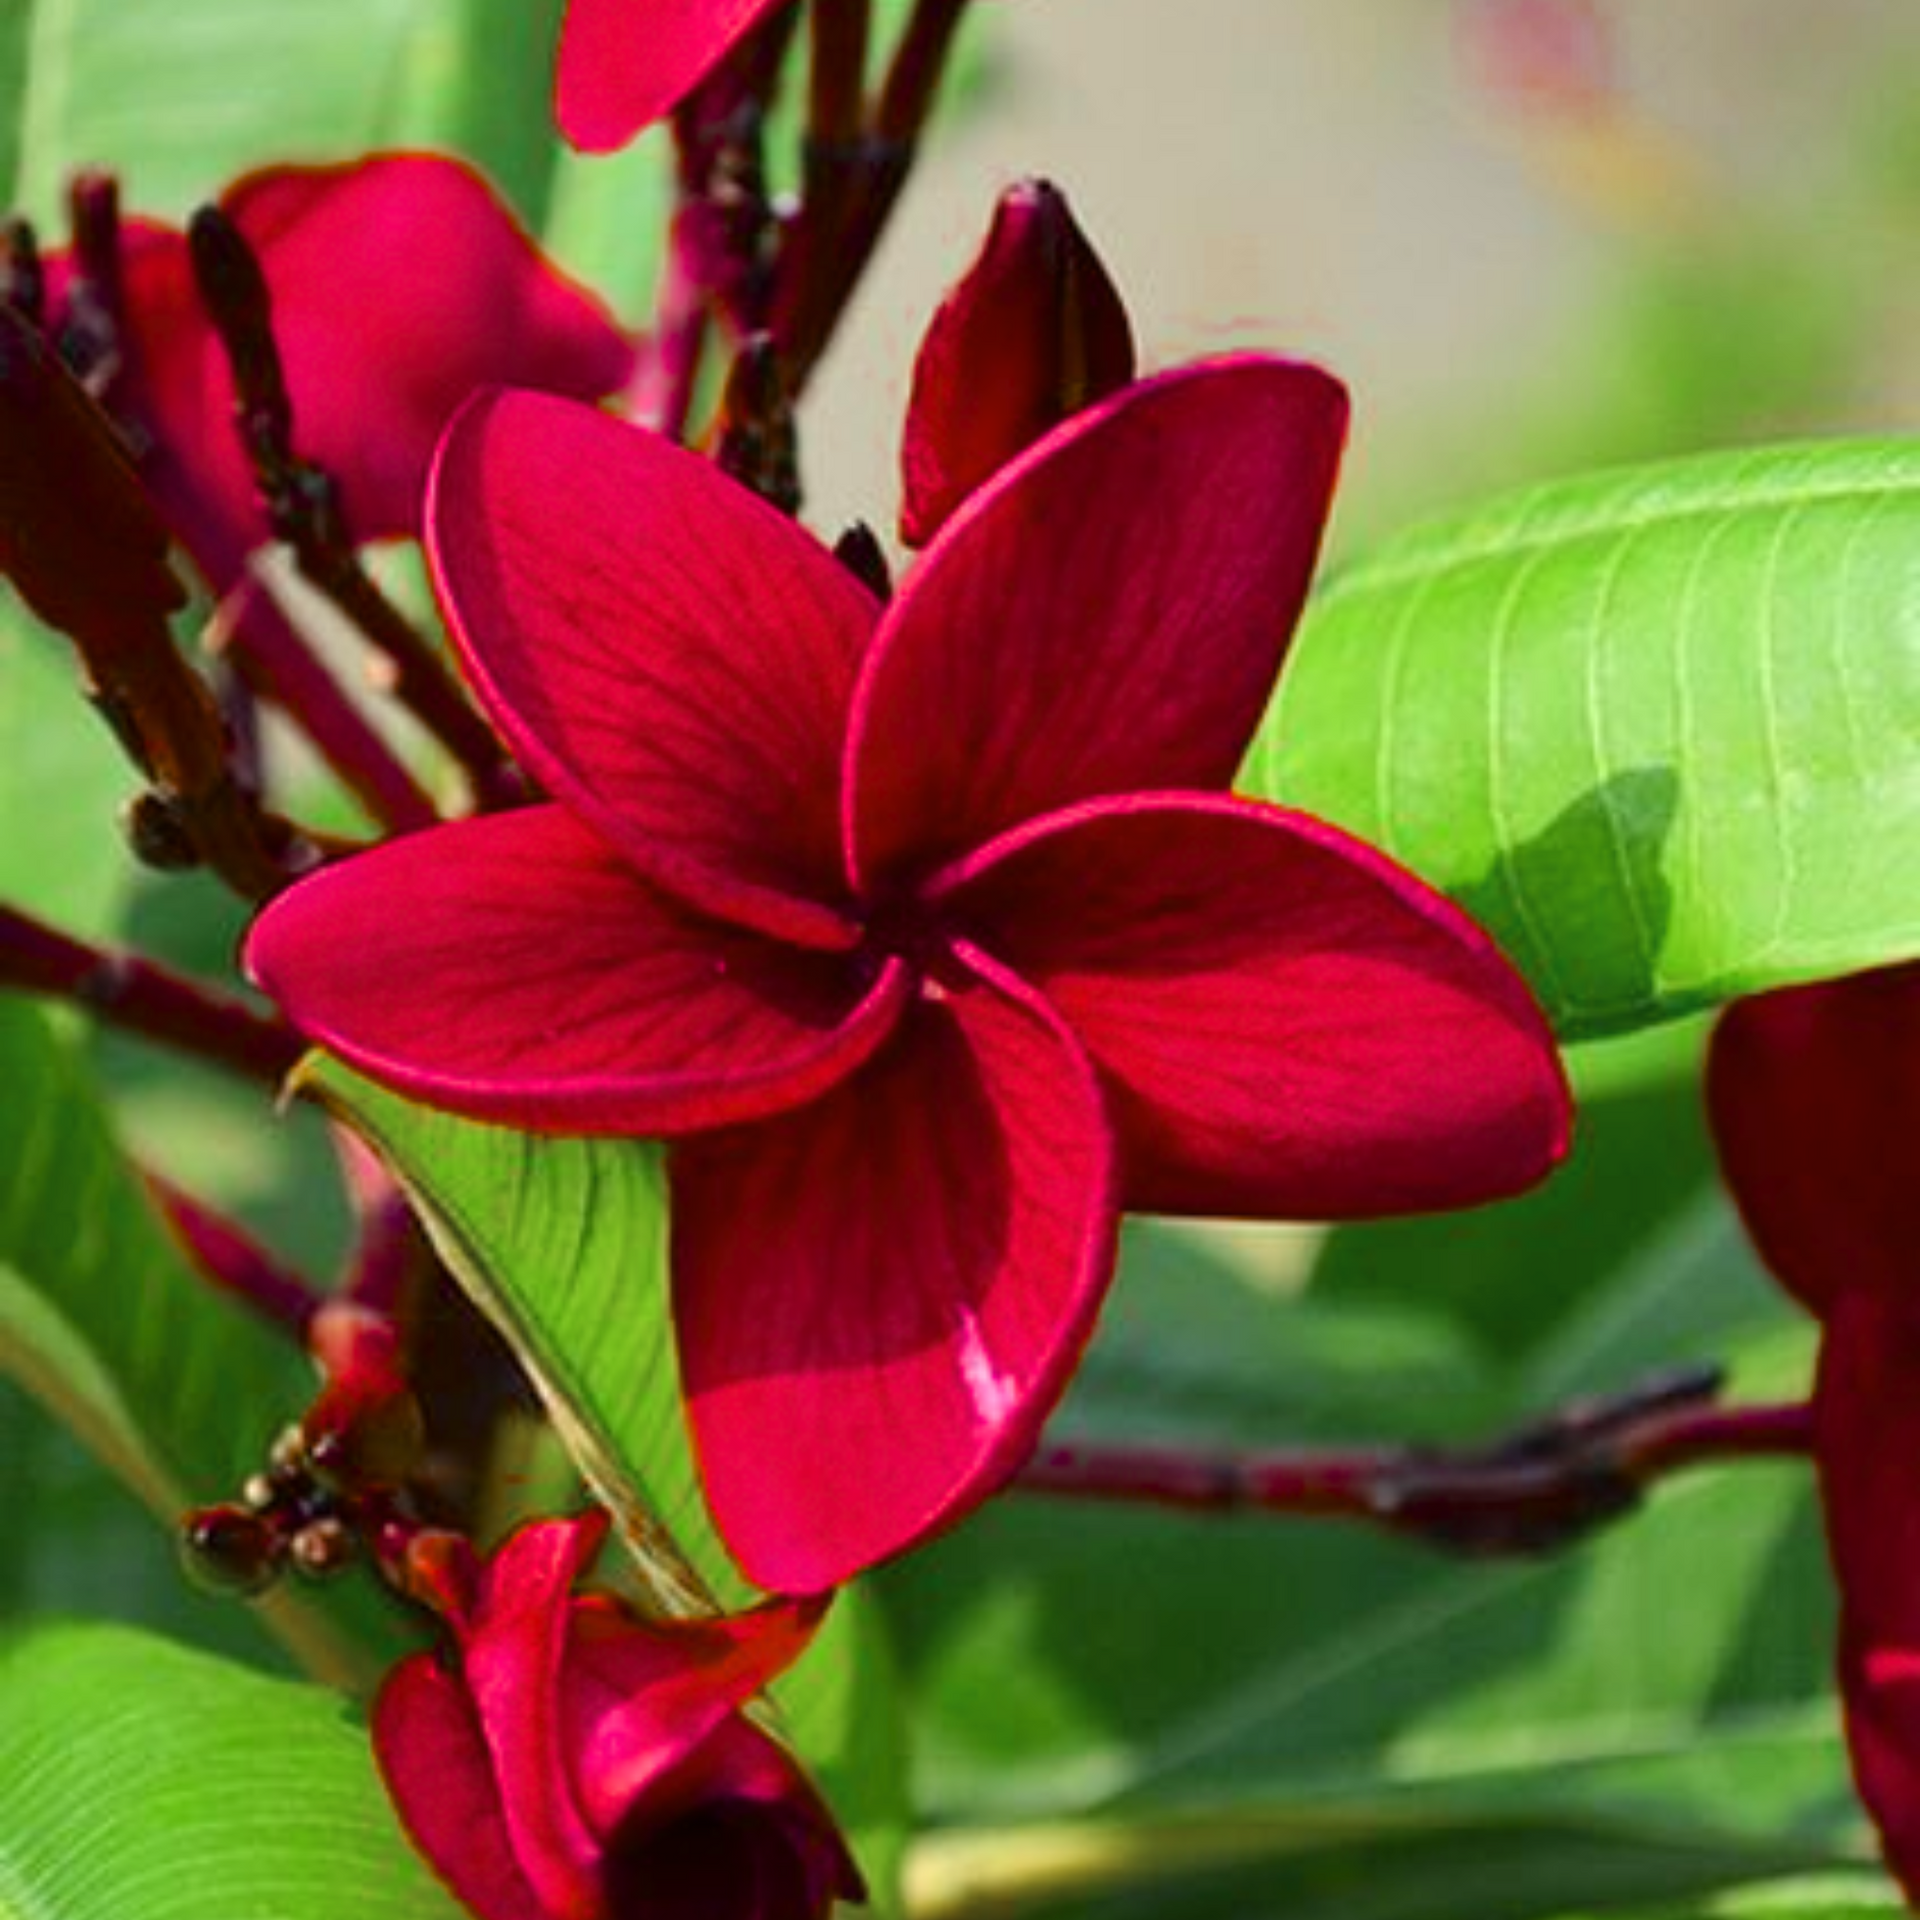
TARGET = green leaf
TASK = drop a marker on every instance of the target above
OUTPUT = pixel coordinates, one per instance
(562, 1244)
(1653, 728)
(99, 1311)
(182, 97)
(59, 768)
(843, 1707)
(175, 1390)
(141, 1781)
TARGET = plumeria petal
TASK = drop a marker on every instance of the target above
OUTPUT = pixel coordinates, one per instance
(671, 656)
(1287, 1024)
(639, 1699)
(879, 1297)
(400, 284)
(511, 1654)
(1814, 1094)
(1107, 615)
(624, 63)
(435, 1762)
(1867, 1439)
(512, 968)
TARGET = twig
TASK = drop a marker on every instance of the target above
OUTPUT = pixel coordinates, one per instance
(225, 1254)
(88, 554)
(304, 508)
(1532, 1492)
(140, 997)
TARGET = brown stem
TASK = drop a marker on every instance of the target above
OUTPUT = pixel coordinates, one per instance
(304, 508)
(1530, 1493)
(853, 184)
(277, 663)
(135, 994)
(223, 1253)
(88, 554)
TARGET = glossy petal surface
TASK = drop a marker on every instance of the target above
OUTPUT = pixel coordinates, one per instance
(671, 656)
(1287, 1024)
(624, 63)
(1106, 616)
(1814, 1094)
(640, 1698)
(438, 1770)
(513, 968)
(879, 1297)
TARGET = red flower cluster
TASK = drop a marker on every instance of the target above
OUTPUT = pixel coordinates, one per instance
(1815, 1099)
(573, 1762)
(930, 933)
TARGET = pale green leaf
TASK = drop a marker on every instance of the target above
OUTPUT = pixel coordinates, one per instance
(1654, 728)
(141, 1781)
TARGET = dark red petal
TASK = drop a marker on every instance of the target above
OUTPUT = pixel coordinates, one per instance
(624, 63)
(1034, 333)
(1867, 1441)
(640, 1696)
(672, 657)
(749, 1840)
(1106, 616)
(400, 284)
(511, 968)
(438, 1770)
(1814, 1094)
(880, 1296)
(1288, 1025)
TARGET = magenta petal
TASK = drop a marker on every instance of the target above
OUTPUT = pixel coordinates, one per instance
(511, 1654)
(672, 657)
(437, 1768)
(1867, 1440)
(512, 968)
(1288, 1025)
(1814, 1094)
(880, 1296)
(624, 63)
(641, 1696)
(1106, 616)
(401, 284)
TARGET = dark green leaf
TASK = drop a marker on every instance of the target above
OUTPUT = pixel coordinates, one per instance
(59, 768)
(1654, 728)
(141, 1781)
(175, 1390)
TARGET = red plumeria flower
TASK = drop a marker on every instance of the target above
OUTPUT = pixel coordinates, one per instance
(1814, 1094)
(932, 932)
(575, 1763)
(400, 284)
(625, 63)
(1033, 333)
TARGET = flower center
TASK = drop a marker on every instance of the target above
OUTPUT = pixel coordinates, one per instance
(905, 928)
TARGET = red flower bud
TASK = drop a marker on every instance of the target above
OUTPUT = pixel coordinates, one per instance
(577, 1763)
(1033, 333)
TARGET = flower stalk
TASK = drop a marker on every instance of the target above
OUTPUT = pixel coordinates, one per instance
(1531, 1492)
(141, 997)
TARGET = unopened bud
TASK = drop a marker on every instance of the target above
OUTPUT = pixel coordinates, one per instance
(78, 537)
(230, 1549)
(1034, 332)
